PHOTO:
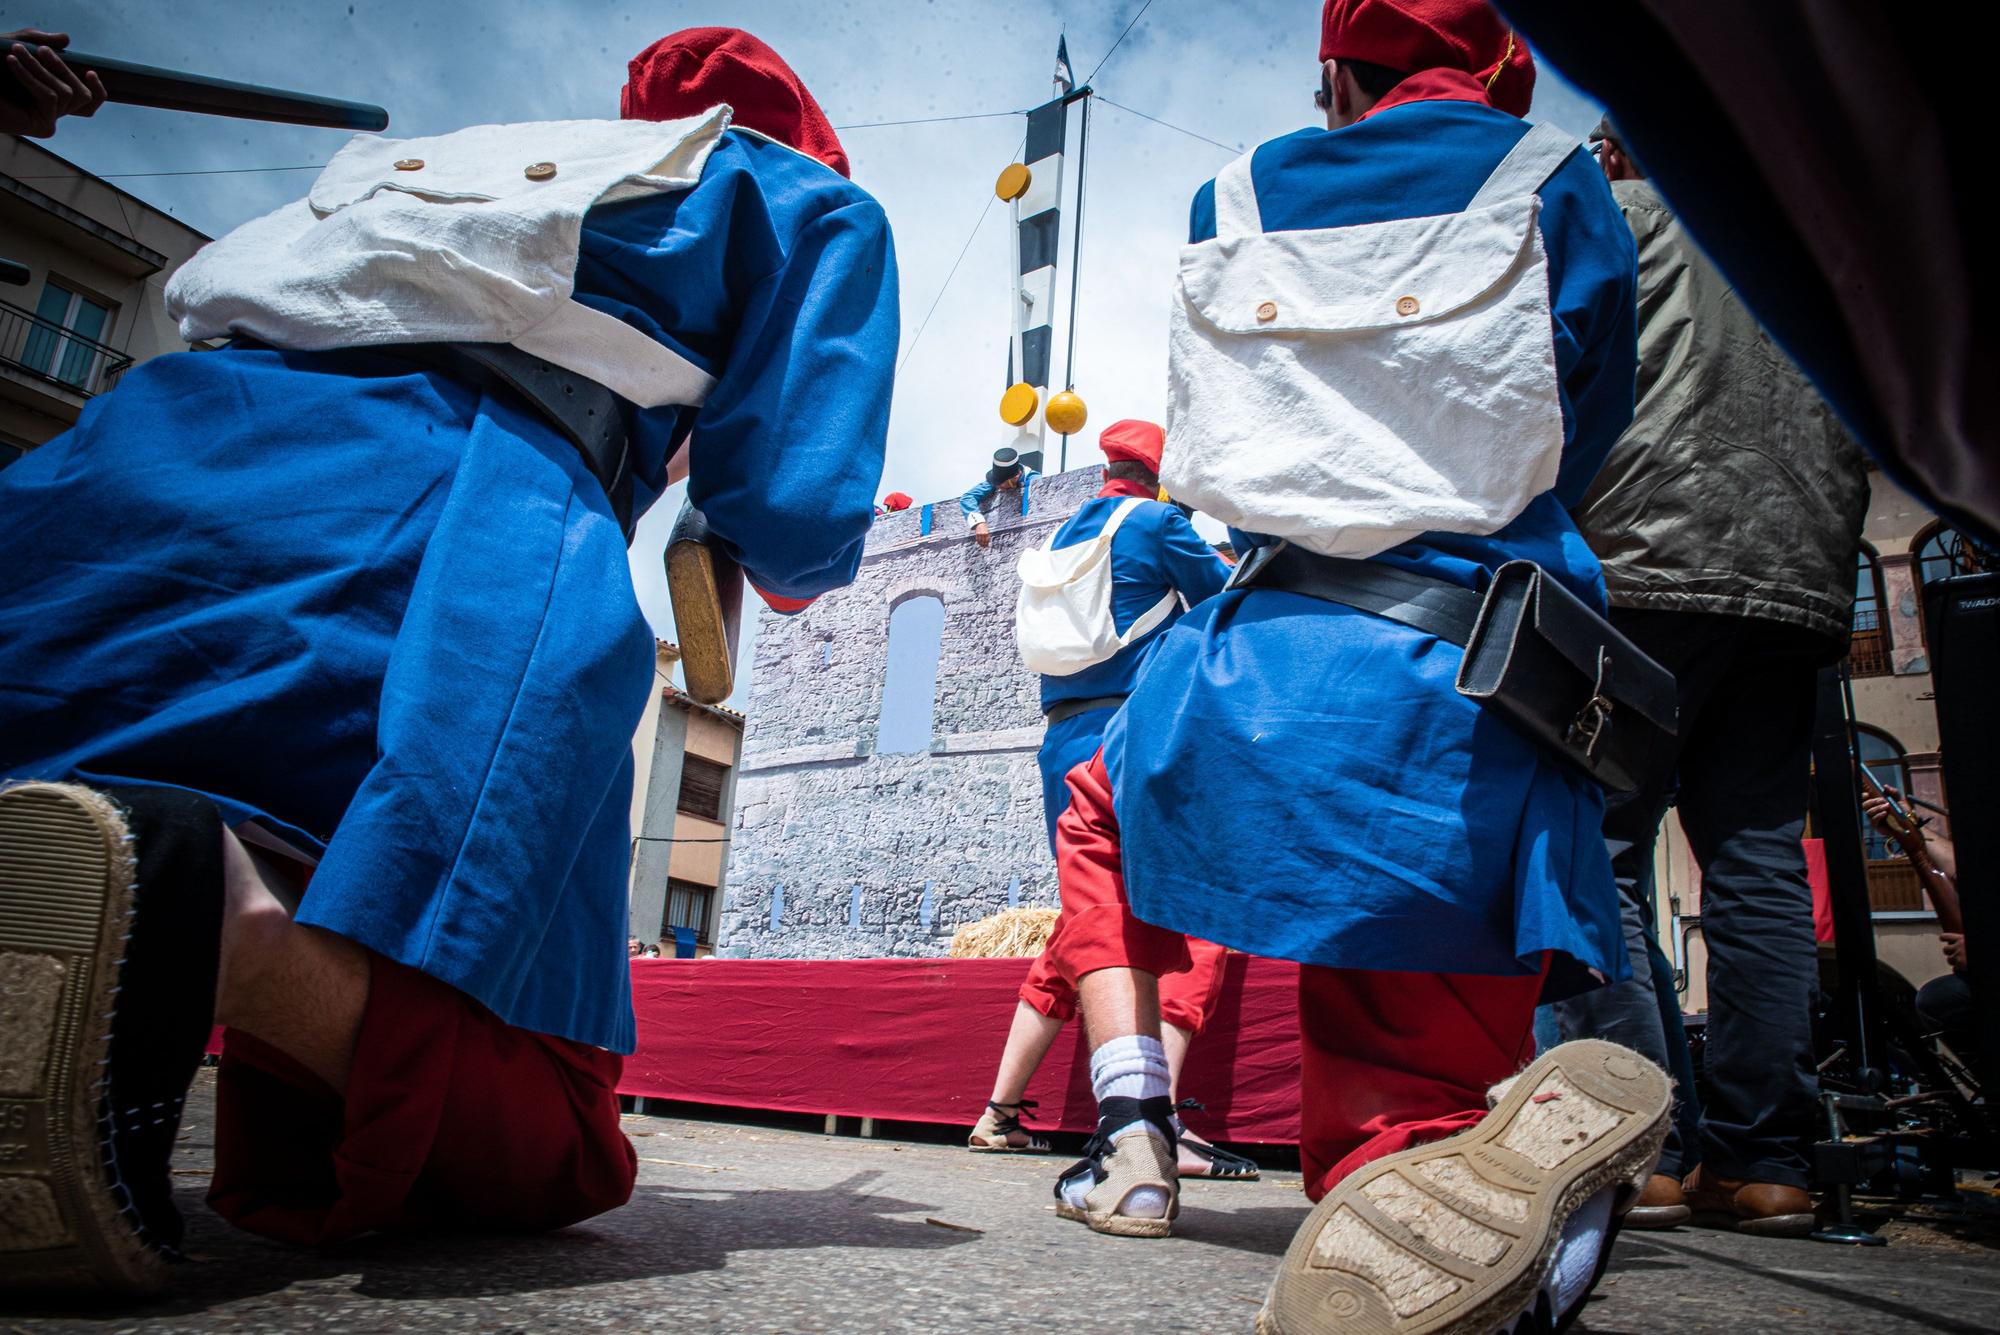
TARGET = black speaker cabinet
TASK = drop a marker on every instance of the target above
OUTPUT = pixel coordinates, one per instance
(1962, 626)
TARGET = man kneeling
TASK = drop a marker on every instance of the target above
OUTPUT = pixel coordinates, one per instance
(320, 659)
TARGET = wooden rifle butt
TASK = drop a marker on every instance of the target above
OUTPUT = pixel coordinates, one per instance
(706, 586)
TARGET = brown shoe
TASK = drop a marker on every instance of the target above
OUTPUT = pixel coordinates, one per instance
(1766, 1209)
(1661, 1205)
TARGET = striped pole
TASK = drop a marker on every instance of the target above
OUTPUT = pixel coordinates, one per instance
(1033, 187)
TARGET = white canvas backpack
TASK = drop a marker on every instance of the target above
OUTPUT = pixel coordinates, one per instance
(1350, 388)
(1062, 617)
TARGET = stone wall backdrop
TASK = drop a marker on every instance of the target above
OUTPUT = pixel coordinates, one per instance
(839, 852)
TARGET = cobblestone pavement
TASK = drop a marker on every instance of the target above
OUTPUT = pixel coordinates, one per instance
(748, 1228)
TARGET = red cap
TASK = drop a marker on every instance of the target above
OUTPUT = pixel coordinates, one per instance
(897, 500)
(1414, 35)
(1140, 442)
(687, 72)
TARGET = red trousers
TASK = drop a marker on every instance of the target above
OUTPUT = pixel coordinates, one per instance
(451, 1120)
(1386, 1060)
(1186, 998)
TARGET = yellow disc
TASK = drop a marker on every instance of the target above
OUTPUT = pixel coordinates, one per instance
(1013, 182)
(1018, 404)
(1066, 413)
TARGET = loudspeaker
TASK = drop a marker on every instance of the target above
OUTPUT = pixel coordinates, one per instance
(1962, 628)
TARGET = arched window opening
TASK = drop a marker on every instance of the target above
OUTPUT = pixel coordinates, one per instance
(1942, 552)
(909, 690)
(1868, 647)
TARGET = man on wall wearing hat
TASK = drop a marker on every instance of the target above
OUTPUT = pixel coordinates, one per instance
(1158, 565)
(1298, 778)
(1012, 473)
(366, 610)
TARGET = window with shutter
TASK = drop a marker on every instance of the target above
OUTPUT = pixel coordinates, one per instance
(701, 787)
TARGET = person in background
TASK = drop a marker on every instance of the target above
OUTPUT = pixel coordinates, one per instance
(893, 503)
(1726, 519)
(1159, 566)
(1010, 474)
(1946, 1001)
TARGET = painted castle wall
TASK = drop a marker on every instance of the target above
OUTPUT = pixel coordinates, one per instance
(840, 852)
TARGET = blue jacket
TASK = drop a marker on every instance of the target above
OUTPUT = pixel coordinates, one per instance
(1375, 818)
(972, 503)
(391, 618)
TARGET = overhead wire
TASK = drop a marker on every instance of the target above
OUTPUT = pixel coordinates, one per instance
(917, 337)
(317, 166)
(1178, 129)
(1121, 39)
(931, 120)
(193, 171)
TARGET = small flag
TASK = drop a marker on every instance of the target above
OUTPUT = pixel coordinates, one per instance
(1065, 77)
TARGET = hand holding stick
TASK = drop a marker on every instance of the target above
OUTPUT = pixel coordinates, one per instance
(47, 88)
(37, 87)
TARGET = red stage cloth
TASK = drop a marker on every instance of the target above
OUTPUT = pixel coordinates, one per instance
(917, 1040)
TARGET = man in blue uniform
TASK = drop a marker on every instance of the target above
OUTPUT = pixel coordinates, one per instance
(1299, 778)
(337, 598)
(1159, 567)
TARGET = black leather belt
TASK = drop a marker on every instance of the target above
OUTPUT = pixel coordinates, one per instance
(1445, 610)
(1069, 709)
(584, 412)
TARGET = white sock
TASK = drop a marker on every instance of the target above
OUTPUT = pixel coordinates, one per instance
(1568, 1279)
(1576, 1255)
(1133, 1067)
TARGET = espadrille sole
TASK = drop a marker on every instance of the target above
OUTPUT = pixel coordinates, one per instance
(1453, 1238)
(1117, 1225)
(65, 900)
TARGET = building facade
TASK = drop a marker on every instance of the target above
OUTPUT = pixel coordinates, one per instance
(685, 756)
(889, 791)
(97, 262)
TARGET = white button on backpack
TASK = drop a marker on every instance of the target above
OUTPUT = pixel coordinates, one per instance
(1063, 621)
(1350, 388)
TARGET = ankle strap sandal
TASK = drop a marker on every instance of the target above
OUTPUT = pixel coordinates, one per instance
(997, 1128)
(1219, 1164)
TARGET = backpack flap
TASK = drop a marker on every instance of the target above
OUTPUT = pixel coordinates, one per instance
(1413, 271)
(1351, 388)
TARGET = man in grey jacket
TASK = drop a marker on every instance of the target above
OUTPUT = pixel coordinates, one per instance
(1727, 518)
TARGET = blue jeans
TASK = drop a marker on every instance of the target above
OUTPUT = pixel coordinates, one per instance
(1746, 694)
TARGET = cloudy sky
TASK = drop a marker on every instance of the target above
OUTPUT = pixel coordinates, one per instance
(1234, 73)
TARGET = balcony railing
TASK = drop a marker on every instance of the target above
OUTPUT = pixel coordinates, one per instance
(1868, 648)
(46, 350)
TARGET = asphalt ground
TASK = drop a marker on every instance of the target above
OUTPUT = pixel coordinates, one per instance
(755, 1228)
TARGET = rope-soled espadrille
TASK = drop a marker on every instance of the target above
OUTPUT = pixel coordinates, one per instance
(65, 905)
(1137, 1159)
(1453, 1238)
